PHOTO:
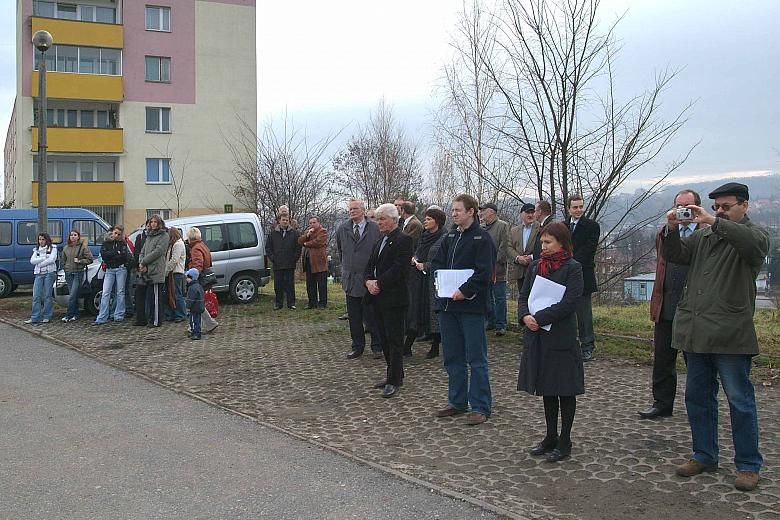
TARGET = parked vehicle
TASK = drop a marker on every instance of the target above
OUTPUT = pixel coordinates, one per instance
(237, 246)
(19, 235)
(92, 300)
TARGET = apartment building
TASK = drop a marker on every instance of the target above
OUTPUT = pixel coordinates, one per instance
(141, 97)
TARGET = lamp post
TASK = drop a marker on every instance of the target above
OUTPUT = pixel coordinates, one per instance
(42, 41)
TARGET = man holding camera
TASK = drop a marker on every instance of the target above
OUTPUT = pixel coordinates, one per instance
(714, 328)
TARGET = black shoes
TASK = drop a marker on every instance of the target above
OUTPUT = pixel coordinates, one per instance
(544, 447)
(408, 353)
(654, 412)
(354, 354)
(380, 385)
(558, 454)
(389, 390)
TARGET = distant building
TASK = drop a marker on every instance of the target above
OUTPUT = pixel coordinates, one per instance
(639, 288)
(136, 94)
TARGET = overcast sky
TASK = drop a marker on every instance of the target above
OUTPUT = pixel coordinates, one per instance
(328, 63)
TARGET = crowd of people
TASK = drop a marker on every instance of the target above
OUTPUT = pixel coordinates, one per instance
(393, 268)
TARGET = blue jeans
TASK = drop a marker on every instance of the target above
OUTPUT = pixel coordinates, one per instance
(74, 281)
(43, 289)
(701, 400)
(465, 345)
(180, 312)
(195, 324)
(114, 281)
(497, 306)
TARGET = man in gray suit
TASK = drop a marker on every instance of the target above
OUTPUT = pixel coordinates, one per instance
(521, 243)
(355, 240)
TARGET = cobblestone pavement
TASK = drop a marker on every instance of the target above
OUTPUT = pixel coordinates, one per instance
(293, 374)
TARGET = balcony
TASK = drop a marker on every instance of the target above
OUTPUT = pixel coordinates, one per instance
(70, 194)
(81, 140)
(75, 32)
(69, 85)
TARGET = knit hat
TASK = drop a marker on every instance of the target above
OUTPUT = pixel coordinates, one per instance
(193, 273)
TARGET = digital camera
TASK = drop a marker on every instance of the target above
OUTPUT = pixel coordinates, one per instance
(684, 214)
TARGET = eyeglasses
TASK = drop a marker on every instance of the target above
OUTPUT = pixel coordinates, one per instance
(725, 207)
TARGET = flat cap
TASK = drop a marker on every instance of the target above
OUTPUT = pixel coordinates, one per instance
(731, 188)
(527, 207)
(490, 205)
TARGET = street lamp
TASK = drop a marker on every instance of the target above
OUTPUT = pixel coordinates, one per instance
(42, 41)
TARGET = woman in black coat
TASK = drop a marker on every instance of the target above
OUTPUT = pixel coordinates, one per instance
(551, 364)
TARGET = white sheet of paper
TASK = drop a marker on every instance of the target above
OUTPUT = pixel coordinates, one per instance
(544, 293)
(449, 280)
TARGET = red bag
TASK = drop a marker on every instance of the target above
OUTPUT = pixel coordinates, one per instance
(211, 303)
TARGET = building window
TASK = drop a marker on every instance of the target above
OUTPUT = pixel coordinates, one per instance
(158, 69)
(158, 119)
(66, 11)
(165, 214)
(158, 171)
(158, 18)
(71, 118)
(77, 171)
(83, 60)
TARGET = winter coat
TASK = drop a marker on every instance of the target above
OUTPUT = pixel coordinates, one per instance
(200, 256)
(390, 268)
(175, 258)
(551, 363)
(585, 240)
(471, 249)
(432, 324)
(499, 232)
(153, 255)
(316, 250)
(76, 256)
(282, 248)
(715, 312)
(195, 297)
(414, 229)
(354, 255)
(114, 252)
(44, 259)
(515, 249)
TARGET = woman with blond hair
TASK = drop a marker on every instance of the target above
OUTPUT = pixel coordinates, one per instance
(175, 309)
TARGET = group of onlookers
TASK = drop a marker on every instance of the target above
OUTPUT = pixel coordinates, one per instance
(154, 265)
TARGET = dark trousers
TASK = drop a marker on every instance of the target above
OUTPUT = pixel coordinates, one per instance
(317, 283)
(390, 322)
(584, 312)
(195, 324)
(664, 367)
(357, 312)
(140, 304)
(284, 285)
(154, 304)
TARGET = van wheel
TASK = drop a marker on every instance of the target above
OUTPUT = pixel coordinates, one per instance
(6, 286)
(243, 288)
(92, 302)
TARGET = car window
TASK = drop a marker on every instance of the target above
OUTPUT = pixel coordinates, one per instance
(211, 234)
(242, 235)
(27, 232)
(6, 232)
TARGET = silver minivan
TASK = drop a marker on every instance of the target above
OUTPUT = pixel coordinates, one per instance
(237, 246)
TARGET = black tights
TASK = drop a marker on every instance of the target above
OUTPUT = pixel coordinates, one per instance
(568, 405)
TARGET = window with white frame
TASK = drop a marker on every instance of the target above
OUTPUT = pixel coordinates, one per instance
(165, 214)
(83, 60)
(158, 69)
(69, 11)
(72, 118)
(81, 170)
(158, 171)
(158, 18)
(158, 119)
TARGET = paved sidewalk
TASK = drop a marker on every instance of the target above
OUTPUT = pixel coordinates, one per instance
(292, 374)
(83, 440)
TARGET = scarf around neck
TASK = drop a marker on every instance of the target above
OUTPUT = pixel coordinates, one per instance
(551, 262)
(427, 239)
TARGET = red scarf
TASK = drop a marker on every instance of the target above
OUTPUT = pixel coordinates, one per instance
(551, 262)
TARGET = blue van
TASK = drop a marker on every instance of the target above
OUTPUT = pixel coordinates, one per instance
(19, 235)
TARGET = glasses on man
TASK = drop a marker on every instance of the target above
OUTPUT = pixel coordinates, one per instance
(725, 207)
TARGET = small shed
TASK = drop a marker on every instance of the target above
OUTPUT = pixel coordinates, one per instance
(639, 288)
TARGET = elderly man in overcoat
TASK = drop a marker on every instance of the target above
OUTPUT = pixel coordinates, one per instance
(355, 241)
(521, 243)
(714, 327)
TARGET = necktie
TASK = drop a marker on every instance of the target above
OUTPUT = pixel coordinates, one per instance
(573, 225)
(357, 232)
(686, 231)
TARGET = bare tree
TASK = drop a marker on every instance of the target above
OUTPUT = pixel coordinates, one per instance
(174, 199)
(379, 163)
(281, 167)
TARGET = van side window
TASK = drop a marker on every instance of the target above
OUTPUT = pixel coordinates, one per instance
(6, 233)
(91, 230)
(242, 235)
(212, 236)
(27, 232)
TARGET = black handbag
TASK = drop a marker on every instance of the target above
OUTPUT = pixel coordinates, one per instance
(85, 289)
(207, 277)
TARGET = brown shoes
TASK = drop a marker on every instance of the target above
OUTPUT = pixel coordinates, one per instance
(475, 418)
(694, 467)
(746, 480)
(449, 412)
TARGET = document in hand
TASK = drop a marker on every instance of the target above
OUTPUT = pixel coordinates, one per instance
(544, 293)
(449, 280)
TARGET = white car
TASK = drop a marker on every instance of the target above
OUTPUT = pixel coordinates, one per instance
(92, 301)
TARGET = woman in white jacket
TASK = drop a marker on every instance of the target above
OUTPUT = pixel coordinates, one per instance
(175, 309)
(44, 258)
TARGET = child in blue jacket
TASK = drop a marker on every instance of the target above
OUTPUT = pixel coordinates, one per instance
(195, 305)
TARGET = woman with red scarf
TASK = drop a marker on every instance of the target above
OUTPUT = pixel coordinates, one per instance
(551, 364)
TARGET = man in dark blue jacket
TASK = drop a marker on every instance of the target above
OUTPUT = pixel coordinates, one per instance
(462, 316)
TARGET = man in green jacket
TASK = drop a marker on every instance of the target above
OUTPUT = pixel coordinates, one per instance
(713, 326)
